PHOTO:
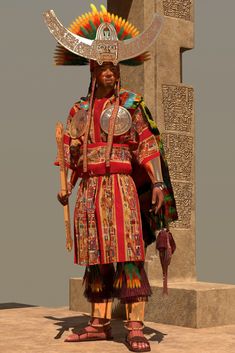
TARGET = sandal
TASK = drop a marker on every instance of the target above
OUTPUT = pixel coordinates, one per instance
(103, 333)
(130, 341)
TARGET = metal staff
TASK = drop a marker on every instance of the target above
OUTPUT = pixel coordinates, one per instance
(63, 182)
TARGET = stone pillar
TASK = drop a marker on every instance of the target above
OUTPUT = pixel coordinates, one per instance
(172, 104)
(190, 303)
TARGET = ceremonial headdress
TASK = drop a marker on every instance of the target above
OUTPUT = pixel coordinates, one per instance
(98, 37)
(101, 36)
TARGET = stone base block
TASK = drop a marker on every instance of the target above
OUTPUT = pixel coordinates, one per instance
(193, 304)
(77, 301)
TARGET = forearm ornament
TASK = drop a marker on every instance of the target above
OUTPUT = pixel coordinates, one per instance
(154, 170)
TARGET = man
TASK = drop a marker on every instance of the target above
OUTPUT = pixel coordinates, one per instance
(109, 135)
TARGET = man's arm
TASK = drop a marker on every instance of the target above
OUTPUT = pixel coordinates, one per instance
(154, 170)
(148, 155)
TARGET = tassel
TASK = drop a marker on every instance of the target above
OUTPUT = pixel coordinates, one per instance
(166, 246)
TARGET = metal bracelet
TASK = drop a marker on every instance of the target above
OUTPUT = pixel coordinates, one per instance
(160, 185)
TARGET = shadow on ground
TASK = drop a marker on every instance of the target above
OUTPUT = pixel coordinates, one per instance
(15, 306)
(76, 323)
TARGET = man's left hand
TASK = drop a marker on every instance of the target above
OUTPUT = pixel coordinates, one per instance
(157, 200)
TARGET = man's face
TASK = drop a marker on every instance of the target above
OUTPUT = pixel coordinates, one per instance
(107, 75)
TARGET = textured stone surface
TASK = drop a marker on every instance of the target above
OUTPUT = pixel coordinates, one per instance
(181, 9)
(190, 304)
(77, 301)
(37, 330)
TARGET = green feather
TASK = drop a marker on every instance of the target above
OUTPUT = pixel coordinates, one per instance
(85, 32)
(127, 36)
(149, 118)
(120, 33)
(94, 29)
(131, 269)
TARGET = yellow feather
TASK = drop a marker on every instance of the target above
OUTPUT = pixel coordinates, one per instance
(122, 23)
(135, 32)
(93, 8)
(103, 9)
(128, 27)
(131, 28)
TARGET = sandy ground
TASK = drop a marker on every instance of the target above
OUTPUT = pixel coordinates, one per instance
(38, 329)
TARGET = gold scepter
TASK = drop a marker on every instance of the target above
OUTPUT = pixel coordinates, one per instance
(63, 182)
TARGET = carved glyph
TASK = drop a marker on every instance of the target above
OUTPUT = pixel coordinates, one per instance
(179, 152)
(178, 139)
(178, 107)
(183, 197)
(178, 8)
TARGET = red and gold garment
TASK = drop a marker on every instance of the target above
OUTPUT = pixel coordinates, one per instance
(107, 219)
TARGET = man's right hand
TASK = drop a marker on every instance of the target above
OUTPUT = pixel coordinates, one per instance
(63, 199)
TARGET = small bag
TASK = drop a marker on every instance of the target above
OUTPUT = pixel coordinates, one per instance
(166, 246)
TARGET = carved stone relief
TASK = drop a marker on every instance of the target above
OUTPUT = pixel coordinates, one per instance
(179, 153)
(179, 146)
(183, 197)
(178, 107)
(178, 8)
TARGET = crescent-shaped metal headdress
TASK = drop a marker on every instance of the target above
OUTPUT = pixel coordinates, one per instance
(102, 37)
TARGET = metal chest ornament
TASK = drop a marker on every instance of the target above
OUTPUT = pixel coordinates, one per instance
(123, 120)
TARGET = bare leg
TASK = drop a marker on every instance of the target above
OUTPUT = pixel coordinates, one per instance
(135, 317)
(99, 325)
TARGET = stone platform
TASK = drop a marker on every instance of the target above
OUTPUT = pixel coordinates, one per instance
(43, 330)
(189, 304)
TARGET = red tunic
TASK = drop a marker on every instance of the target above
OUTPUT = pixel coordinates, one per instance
(107, 219)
